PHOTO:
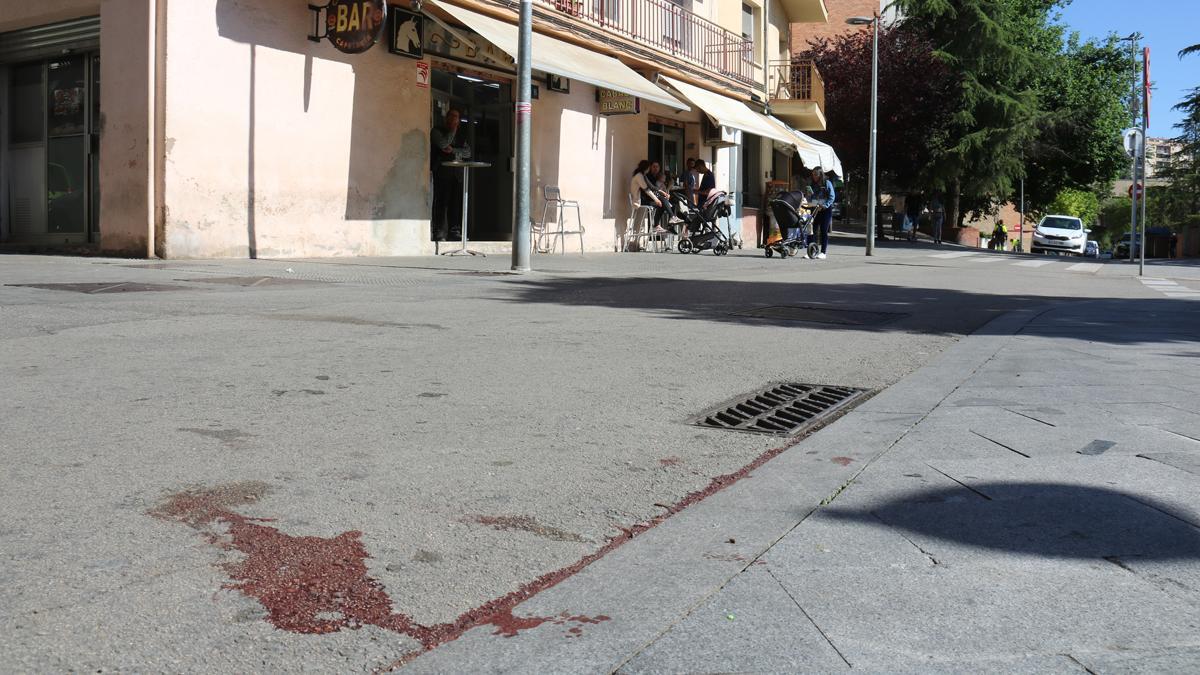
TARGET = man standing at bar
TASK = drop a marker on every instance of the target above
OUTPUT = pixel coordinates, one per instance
(446, 222)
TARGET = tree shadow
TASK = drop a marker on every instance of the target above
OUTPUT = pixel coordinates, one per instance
(1049, 520)
(870, 307)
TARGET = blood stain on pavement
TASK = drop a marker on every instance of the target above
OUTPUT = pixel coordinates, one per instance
(319, 585)
(671, 461)
(843, 461)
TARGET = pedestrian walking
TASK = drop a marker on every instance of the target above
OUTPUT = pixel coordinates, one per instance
(937, 217)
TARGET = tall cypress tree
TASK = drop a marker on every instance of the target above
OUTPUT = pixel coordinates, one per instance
(985, 43)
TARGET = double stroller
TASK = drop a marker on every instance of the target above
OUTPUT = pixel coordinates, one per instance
(703, 231)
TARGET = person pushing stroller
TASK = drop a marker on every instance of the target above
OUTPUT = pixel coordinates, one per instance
(793, 213)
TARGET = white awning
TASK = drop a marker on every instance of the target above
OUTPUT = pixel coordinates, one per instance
(566, 60)
(729, 112)
(813, 152)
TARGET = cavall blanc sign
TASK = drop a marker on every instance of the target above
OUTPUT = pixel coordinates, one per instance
(618, 103)
(354, 26)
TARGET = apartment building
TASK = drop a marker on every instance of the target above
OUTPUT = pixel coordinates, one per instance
(1159, 154)
(271, 128)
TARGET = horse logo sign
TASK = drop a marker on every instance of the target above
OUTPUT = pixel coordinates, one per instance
(407, 34)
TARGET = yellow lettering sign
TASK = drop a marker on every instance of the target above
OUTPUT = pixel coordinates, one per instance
(354, 23)
(342, 17)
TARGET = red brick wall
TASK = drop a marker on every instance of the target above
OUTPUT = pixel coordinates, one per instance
(839, 11)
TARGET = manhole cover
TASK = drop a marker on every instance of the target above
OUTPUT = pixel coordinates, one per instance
(842, 317)
(107, 287)
(782, 409)
(249, 282)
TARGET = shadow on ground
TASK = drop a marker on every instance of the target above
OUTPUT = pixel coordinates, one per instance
(872, 307)
(1049, 520)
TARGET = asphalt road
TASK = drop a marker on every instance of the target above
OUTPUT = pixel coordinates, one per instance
(328, 465)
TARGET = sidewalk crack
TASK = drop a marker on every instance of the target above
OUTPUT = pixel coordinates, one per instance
(903, 536)
(1000, 444)
(958, 481)
(810, 619)
(1076, 661)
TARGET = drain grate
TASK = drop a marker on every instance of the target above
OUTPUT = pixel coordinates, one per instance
(103, 288)
(841, 317)
(781, 409)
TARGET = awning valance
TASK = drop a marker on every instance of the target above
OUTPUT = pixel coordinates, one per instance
(564, 59)
(729, 112)
(813, 152)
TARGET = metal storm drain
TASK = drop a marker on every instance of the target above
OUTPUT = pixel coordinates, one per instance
(843, 317)
(782, 409)
(101, 288)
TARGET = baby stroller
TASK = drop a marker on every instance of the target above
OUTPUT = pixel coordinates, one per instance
(702, 223)
(791, 218)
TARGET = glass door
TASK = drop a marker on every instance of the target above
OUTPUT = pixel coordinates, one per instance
(67, 146)
(53, 150)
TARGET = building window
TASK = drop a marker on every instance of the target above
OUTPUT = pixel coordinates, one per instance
(749, 30)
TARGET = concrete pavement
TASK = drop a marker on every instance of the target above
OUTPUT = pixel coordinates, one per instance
(1024, 503)
(180, 463)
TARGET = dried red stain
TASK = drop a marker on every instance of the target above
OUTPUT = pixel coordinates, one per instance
(320, 585)
(844, 461)
(671, 461)
(204, 507)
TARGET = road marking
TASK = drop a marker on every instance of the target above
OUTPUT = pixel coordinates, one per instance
(1158, 282)
(1033, 263)
(956, 254)
(1084, 267)
(986, 259)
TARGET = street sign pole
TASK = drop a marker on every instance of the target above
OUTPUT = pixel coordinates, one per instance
(524, 110)
(1146, 184)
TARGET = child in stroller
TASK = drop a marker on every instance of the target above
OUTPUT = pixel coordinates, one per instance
(794, 213)
(700, 228)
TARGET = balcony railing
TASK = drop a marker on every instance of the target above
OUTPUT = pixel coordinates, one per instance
(797, 80)
(668, 28)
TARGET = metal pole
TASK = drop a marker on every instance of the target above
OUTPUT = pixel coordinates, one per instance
(1021, 222)
(520, 245)
(874, 132)
(1133, 191)
(1145, 194)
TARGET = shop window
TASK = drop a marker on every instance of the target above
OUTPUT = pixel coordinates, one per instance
(27, 118)
(753, 182)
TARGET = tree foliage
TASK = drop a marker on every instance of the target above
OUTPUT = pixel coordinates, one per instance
(1083, 204)
(916, 99)
(1083, 111)
(976, 94)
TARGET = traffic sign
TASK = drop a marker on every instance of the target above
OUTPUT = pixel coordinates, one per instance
(1133, 142)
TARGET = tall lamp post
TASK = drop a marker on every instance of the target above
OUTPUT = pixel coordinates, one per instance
(871, 200)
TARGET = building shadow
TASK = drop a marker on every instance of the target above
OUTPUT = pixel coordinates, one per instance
(865, 307)
(1046, 520)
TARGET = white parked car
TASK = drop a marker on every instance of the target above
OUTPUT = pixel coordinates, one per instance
(1062, 234)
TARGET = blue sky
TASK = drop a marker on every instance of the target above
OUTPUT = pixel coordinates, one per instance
(1167, 27)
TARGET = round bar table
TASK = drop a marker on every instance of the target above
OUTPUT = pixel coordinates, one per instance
(466, 167)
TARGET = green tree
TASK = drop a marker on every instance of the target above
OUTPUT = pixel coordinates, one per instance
(1083, 110)
(1178, 202)
(985, 45)
(1083, 204)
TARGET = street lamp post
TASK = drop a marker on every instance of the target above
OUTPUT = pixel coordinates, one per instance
(871, 200)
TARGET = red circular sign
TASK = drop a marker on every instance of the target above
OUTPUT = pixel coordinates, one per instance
(354, 26)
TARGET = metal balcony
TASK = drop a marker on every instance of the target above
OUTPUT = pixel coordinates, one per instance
(669, 29)
(798, 94)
